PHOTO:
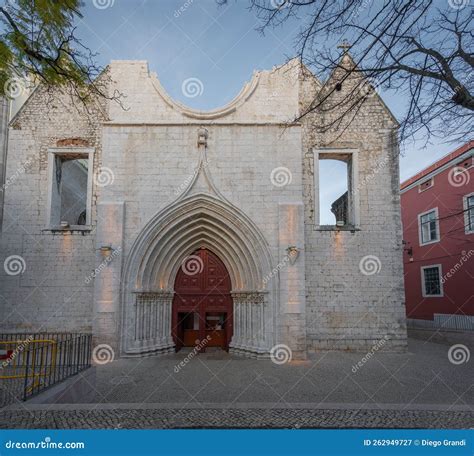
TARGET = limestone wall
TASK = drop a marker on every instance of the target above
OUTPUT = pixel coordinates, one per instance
(4, 117)
(148, 154)
(347, 306)
(152, 150)
(52, 293)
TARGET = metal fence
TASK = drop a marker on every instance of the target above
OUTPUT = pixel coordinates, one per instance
(444, 321)
(31, 363)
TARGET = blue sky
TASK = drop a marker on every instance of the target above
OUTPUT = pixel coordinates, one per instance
(219, 45)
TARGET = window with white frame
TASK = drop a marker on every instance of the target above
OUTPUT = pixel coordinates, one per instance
(432, 285)
(70, 185)
(429, 227)
(336, 190)
(469, 213)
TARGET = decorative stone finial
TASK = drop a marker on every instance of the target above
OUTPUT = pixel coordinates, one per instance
(203, 134)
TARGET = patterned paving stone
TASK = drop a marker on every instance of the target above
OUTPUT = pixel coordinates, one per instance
(233, 418)
(417, 389)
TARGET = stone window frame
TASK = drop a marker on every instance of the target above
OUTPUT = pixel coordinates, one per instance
(353, 188)
(52, 153)
(466, 213)
(423, 282)
(420, 230)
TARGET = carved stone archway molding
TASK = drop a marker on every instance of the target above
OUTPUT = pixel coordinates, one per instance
(200, 218)
(153, 318)
(250, 321)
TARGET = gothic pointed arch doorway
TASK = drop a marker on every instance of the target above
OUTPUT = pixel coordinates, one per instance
(202, 304)
(198, 222)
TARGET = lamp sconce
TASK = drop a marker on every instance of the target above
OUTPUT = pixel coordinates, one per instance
(64, 224)
(203, 134)
(293, 253)
(340, 224)
(106, 250)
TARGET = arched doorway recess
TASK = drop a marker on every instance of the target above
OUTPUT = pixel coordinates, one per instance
(198, 221)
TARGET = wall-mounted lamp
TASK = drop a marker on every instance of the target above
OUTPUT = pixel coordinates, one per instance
(64, 224)
(340, 223)
(293, 253)
(105, 249)
(408, 250)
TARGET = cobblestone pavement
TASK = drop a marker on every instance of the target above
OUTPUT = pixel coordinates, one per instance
(233, 418)
(421, 388)
(10, 390)
(423, 375)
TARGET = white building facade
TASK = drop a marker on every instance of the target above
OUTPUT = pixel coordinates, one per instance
(108, 206)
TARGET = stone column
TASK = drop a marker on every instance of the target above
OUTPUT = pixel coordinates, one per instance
(152, 332)
(4, 118)
(249, 323)
(107, 274)
(398, 331)
(292, 322)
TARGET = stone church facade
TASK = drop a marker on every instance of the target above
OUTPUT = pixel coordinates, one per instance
(234, 191)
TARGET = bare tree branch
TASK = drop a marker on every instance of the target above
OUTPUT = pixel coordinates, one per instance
(419, 48)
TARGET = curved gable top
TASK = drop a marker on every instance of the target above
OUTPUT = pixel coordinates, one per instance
(269, 97)
(245, 93)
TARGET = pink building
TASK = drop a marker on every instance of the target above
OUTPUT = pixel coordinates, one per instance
(438, 232)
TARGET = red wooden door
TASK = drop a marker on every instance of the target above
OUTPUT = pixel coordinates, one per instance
(202, 304)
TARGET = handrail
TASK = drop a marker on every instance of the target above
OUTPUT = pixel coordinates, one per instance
(41, 360)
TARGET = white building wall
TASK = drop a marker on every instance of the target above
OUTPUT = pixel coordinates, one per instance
(149, 153)
(52, 293)
(350, 305)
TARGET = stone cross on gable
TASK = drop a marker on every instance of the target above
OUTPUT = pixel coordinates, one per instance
(345, 46)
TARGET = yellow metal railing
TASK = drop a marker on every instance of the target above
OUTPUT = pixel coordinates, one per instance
(32, 363)
(29, 358)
